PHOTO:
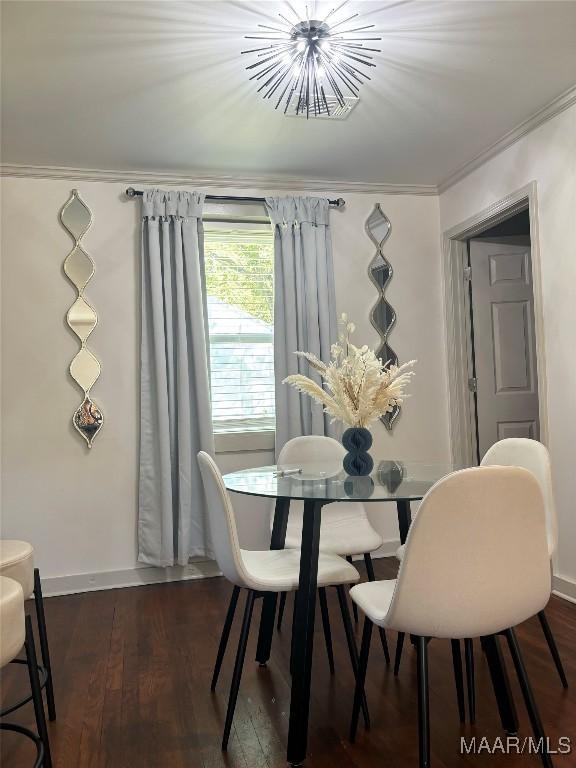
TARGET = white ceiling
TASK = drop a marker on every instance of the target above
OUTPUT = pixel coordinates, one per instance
(161, 86)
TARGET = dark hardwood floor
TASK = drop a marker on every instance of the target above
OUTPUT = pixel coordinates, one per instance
(132, 672)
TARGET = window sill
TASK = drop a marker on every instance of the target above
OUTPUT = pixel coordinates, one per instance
(244, 442)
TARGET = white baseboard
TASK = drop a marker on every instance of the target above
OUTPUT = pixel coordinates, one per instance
(131, 577)
(564, 587)
(147, 574)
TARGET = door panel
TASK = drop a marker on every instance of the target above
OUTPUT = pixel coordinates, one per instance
(504, 342)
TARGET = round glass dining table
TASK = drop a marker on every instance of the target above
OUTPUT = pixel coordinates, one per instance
(318, 484)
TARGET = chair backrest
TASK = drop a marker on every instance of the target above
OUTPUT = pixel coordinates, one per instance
(223, 531)
(533, 456)
(476, 559)
(312, 448)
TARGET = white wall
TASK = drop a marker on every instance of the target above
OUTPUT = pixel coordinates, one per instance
(547, 155)
(78, 507)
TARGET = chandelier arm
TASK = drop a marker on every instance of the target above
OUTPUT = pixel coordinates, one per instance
(356, 29)
(275, 83)
(335, 87)
(339, 72)
(339, 24)
(353, 72)
(261, 62)
(357, 58)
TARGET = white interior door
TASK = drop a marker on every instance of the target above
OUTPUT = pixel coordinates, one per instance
(504, 341)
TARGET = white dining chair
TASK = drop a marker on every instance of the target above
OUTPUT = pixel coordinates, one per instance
(17, 562)
(476, 564)
(345, 528)
(15, 634)
(258, 572)
(533, 456)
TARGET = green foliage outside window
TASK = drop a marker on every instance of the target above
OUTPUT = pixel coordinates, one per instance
(241, 275)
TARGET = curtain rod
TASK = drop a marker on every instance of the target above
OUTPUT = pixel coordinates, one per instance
(339, 203)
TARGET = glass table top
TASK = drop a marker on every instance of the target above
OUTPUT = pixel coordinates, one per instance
(326, 481)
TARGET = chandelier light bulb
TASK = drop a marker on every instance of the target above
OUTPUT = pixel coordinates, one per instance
(309, 65)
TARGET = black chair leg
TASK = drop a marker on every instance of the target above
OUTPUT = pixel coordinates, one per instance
(458, 678)
(326, 627)
(225, 636)
(398, 654)
(32, 663)
(353, 651)
(238, 666)
(354, 606)
(500, 684)
(470, 679)
(359, 691)
(295, 601)
(423, 703)
(381, 632)
(281, 609)
(39, 601)
(528, 695)
(553, 648)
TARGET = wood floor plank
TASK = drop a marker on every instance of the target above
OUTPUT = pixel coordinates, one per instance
(132, 671)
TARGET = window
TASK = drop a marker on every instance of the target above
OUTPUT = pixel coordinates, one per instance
(239, 265)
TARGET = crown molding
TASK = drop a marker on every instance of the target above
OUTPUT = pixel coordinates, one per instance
(229, 182)
(555, 107)
(282, 183)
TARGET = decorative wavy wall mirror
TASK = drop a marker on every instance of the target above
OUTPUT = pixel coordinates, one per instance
(82, 318)
(382, 315)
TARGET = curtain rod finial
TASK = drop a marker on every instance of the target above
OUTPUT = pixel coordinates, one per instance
(130, 192)
(340, 203)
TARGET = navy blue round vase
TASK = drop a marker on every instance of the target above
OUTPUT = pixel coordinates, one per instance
(357, 441)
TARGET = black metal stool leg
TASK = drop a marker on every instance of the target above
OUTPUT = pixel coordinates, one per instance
(398, 654)
(470, 679)
(32, 663)
(354, 607)
(225, 636)
(39, 600)
(238, 666)
(326, 627)
(529, 699)
(361, 677)
(381, 631)
(353, 651)
(423, 702)
(553, 648)
(281, 609)
(458, 678)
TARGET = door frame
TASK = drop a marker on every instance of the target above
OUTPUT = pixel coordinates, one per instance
(457, 319)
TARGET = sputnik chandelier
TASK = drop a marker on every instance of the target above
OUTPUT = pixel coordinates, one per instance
(310, 65)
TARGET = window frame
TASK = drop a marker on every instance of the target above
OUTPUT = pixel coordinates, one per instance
(251, 441)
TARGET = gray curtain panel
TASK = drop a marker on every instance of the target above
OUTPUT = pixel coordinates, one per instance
(304, 308)
(175, 417)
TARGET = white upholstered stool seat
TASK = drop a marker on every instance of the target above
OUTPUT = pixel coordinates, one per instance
(17, 562)
(374, 598)
(279, 570)
(345, 529)
(11, 620)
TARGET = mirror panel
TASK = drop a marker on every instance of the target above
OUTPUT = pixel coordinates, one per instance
(88, 420)
(79, 268)
(382, 316)
(76, 217)
(82, 318)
